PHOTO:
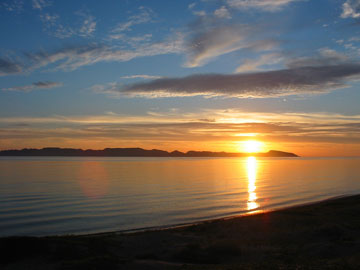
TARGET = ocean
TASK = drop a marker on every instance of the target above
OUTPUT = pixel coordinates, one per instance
(80, 195)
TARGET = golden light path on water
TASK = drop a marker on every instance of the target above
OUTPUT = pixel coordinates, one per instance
(93, 179)
(251, 166)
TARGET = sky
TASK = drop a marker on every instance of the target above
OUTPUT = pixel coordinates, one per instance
(179, 74)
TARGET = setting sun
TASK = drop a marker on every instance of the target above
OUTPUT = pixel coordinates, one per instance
(251, 146)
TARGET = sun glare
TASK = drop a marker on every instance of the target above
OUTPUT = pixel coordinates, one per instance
(252, 146)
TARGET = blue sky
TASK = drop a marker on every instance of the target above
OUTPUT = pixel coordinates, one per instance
(204, 74)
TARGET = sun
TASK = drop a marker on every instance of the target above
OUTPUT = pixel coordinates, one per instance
(251, 146)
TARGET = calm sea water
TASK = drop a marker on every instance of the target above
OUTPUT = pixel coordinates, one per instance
(62, 195)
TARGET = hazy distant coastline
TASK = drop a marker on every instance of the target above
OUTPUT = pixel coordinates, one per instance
(134, 152)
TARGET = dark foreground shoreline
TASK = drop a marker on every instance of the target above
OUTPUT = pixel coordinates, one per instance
(323, 235)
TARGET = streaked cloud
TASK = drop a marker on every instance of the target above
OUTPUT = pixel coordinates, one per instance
(88, 25)
(8, 67)
(205, 127)
(176, 116)
(324, 57)
(71, 58)
(210, 39)
(265, 5)
(290, 81)
(49, 20)
(351, 9)
(145, 15)
(250, 65)
(57, 26)
(141, 76)
(74, 57)
(13, 5)
(222, 12)
(40, 4)
(34, 86)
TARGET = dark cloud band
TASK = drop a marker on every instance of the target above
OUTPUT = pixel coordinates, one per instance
(34, 86)
(291, 81)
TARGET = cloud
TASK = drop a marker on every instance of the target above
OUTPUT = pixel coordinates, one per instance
(47, 84)
(289, 81)
(34, 86)
(209, 43)
(222, 12)
(229, 126)
(131, 41)
(351, 9)
(71, 58)
(141, 76)
(40, 4)
(88, 26)
(191, 6)
(85, 25)
(355, 39)
(49, 20)
(264, 5)
(250, 65)
(209, 40)
(325, 57)
(8, 67)
(62, 31)
(13, 5)
(200, 13)
(145, 15)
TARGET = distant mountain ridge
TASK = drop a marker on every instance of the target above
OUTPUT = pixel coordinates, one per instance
(133, 152)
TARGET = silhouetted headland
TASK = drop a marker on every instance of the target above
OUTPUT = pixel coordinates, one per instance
(133, 152)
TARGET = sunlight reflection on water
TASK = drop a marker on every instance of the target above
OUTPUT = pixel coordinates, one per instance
(251, 167)
(62, 195)
(93, 179)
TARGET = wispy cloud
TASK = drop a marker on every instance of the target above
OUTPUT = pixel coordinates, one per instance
(351, 9)
(290, 81)
(141, 76)
(210, 39)
(88, 25)
(145, 15)
(324, 57)
(206, 126)
(85, 25)
(41, 4)
(8, 67)
(265, 5)
(251, 65)
(13, 5)
(70, 58)
(192, 5)
(49, 20)
(222, 12)
(34, 86)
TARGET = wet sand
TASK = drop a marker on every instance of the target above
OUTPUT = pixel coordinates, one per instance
(323, 235)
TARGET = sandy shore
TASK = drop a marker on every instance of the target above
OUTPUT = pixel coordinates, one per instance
(323, 235)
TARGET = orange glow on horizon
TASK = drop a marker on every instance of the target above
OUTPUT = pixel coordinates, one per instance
(232, 144)
(251, 146)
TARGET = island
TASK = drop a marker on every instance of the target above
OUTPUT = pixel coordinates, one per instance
(133, 152)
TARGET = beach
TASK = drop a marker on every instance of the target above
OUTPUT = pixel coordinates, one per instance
(322, 235)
